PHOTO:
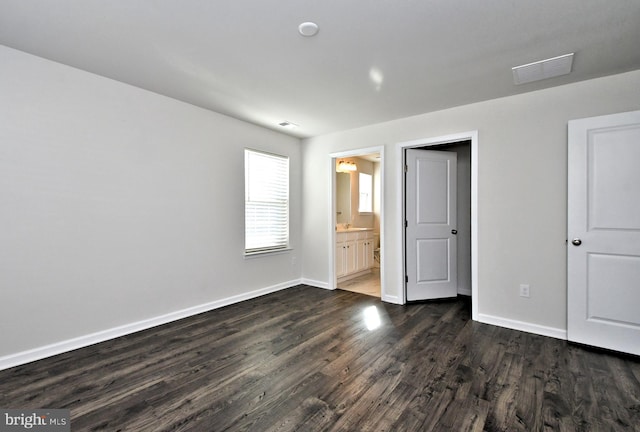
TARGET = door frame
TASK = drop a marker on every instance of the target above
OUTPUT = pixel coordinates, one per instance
(332, 215)
(428, 142)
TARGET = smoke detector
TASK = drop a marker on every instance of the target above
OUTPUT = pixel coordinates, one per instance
(308, 29)
(542, 69)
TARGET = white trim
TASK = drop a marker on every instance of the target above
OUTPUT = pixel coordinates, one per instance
(401, 218)
(354, 275)
(392, 299)
(400, 147)
(475, 298)
(523, 326)
(464, 291)
(332, 281)
(42, 352)
(315, 283)
(258, 254)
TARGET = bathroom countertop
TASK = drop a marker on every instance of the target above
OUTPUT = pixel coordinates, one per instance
(353, 229)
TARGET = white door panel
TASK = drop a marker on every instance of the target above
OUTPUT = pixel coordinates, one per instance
(432, 184)
(431, 217)
(433, 260)
(603, 257)
(614, 179)
(618, 302)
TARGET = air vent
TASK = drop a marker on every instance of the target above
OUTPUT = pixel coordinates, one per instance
(288, 125)
(543, 69)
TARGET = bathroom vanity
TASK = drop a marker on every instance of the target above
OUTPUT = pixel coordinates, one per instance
(354, 252)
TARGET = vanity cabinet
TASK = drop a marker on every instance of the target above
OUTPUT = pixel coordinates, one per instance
(354, 253)
(346, 244)
(364, 259)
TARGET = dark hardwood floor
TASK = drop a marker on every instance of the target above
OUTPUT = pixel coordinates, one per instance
(303, 359)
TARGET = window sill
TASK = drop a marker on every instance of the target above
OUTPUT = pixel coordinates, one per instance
(251, 255)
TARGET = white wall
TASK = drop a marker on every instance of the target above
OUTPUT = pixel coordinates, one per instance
(522, 158)
(119, 205)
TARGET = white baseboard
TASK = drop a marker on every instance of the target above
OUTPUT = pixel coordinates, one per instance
(39, 353)
(523, 326)
(464, 291)
(391, 299)
(354, 275)
(315, 283)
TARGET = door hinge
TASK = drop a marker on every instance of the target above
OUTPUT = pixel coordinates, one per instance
(406, 168)
(406, 224)
(406, 278)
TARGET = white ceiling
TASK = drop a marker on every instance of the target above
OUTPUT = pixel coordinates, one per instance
(245, 58)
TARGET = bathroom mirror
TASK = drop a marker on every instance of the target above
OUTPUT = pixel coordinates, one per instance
(343, 198)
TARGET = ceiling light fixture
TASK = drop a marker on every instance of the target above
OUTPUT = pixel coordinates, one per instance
(543, 69)
(308, 29)
(288, 125)
(346, 166)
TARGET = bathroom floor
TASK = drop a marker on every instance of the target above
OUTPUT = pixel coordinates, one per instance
(368, 284)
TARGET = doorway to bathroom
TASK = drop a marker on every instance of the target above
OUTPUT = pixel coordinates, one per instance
(356, 239)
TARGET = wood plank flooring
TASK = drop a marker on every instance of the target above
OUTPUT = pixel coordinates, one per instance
(303, 359)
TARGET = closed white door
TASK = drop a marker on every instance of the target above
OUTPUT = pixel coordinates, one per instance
(603, 256)
(430, 187)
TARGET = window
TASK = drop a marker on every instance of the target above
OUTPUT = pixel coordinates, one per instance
(365, 186)
(266, 202)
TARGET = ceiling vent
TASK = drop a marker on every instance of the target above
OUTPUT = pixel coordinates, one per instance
(542, 69)
(288, 125)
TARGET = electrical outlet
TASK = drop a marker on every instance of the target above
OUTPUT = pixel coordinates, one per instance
(524, 290)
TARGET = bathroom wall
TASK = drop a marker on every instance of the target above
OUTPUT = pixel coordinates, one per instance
(343, 198)
(364, 166)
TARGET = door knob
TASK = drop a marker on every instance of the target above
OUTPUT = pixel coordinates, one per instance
(576, 242)
(454, 232)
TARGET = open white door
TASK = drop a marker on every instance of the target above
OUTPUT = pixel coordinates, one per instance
(430, 188)
(603, 256)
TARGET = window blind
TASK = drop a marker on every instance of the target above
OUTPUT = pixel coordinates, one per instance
(266, 202)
